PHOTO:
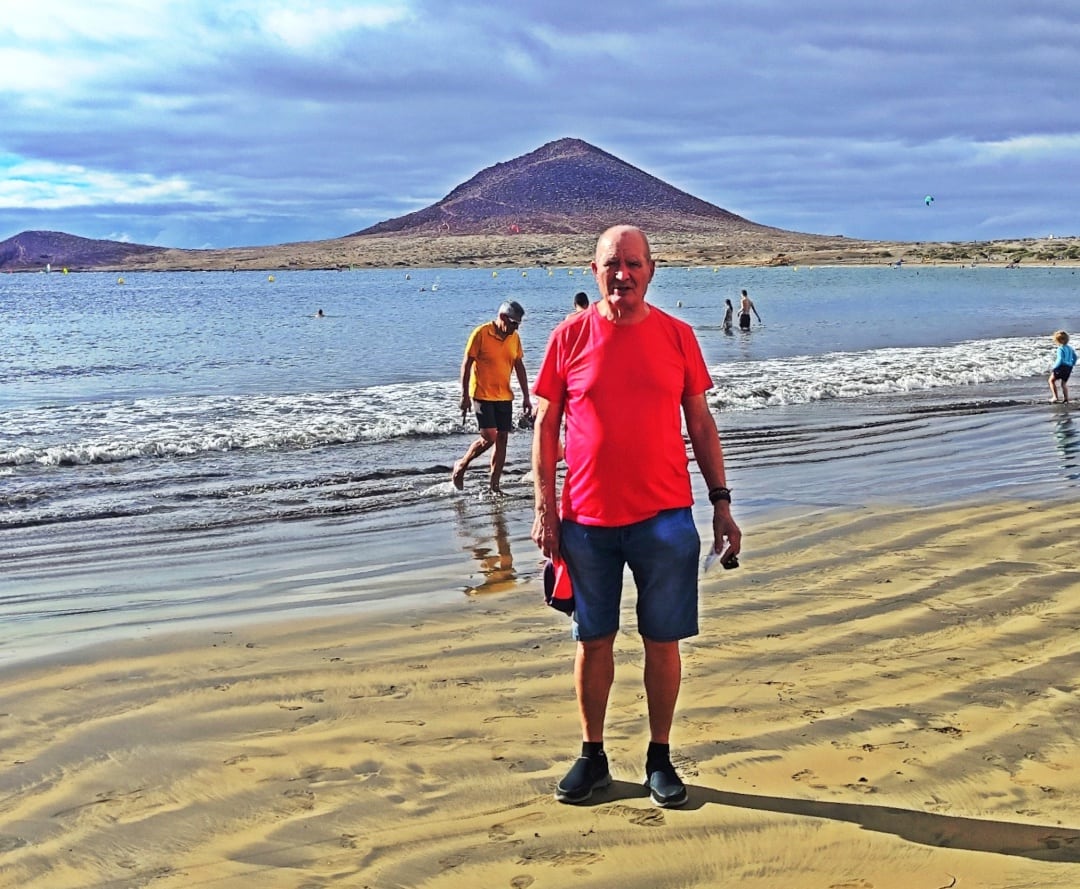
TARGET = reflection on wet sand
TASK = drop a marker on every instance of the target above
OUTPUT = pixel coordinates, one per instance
(1067, 439)
(488, 540)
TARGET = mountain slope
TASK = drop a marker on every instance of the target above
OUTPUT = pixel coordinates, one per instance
(564, 187)
(34, 250)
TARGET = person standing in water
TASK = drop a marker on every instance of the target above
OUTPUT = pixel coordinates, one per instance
(491, 354)
(727, 315)
(1064, 361)
(746, 306)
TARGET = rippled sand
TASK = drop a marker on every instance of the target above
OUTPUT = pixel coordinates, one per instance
(879, 698)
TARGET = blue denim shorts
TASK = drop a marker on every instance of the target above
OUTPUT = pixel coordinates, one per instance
(662, 553)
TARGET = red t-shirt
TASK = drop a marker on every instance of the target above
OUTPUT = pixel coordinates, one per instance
(622, 390)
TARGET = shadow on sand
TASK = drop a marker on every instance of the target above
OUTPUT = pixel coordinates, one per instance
(944, 831)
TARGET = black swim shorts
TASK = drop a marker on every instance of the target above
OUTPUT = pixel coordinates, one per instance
(497, 415)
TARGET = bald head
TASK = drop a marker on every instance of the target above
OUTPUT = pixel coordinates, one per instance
(614, 235)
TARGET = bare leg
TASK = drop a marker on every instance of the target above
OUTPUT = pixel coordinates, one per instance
(498, 460)
(485, 441)
(663, 678)
(1064, 391)
(1053, 388)
(594, 672)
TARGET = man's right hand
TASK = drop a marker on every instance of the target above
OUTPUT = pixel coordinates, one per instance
(545, 532)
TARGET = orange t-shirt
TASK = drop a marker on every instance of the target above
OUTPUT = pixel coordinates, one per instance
(494, 362)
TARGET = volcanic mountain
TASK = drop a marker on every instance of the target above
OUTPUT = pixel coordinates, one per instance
(36, 250)
(546, 207)
(564, 187)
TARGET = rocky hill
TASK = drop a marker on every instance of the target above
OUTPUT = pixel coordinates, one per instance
(544, 208)
(38, 250)
(563, 188)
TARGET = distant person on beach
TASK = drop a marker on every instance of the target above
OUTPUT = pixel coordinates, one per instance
(625, 375)
(727, 316)
(581, 303)
(491, 353)
(1064, 361)
(746, 306)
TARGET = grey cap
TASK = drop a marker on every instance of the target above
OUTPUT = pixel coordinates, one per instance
(512, 310)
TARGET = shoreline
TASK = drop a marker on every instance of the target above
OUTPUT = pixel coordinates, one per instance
(880, 697)
(694, 249)
(72, 586)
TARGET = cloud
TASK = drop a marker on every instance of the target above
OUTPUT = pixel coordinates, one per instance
(277, 121)
(306, 25)
(46, 185)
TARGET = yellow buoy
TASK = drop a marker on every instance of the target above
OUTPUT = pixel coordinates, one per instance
(119, 280)
(270, 278)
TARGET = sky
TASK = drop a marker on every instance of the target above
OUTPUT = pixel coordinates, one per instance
(228, 123)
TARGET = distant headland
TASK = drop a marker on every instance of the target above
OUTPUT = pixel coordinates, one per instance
(544, 208)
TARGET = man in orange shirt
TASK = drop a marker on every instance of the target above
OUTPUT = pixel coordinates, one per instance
(493, 350)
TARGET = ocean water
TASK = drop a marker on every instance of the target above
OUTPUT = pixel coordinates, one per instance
(186, 447)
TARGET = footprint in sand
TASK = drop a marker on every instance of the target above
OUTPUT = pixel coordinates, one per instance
(507, 828)
(640, 817)
(563, 857)
(10, 844)
(687, 767)
(524, 881)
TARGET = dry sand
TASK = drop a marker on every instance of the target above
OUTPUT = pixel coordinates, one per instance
(880, 699)
(670, 248)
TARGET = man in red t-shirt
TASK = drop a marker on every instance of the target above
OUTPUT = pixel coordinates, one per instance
(624, 375)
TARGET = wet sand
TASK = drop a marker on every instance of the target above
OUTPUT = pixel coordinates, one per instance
(881, 697)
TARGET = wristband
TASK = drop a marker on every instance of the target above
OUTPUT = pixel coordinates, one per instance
(719, 493)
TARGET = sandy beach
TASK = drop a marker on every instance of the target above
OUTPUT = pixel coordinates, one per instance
(728, 248)
(880, 697)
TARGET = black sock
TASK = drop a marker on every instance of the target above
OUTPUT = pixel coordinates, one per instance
(658, 755)
(592, 748)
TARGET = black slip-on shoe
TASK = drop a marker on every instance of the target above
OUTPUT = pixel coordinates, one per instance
(587, 774)
(666, 788)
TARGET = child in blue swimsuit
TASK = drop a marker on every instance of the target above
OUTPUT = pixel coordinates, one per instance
(1063, 365)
